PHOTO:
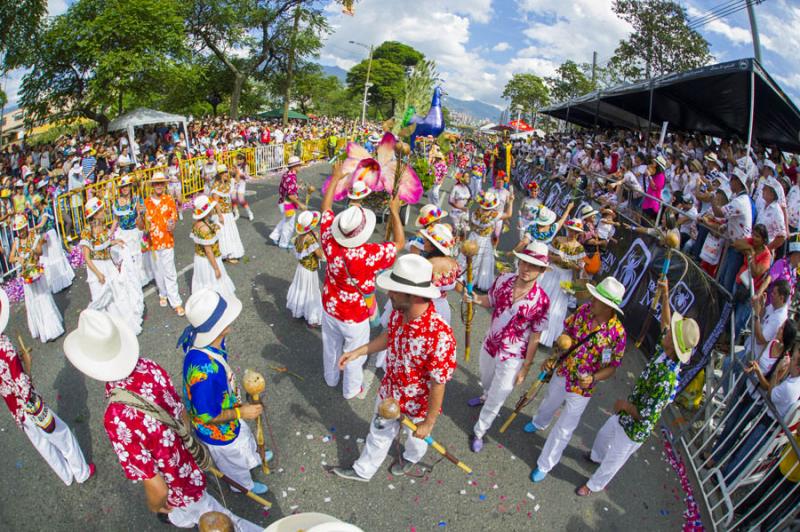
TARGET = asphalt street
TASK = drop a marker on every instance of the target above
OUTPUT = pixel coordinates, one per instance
(313, 427)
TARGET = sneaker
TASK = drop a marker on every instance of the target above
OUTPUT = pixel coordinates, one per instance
(475, 444)
(236, 214)
(401, 467)
(259, 488)
(538, 476)
(529, 427)
(349, 473)
(250, 215)
(179, 311)
(180, 215)
(476, 401)
(360, 391)
(162, 301)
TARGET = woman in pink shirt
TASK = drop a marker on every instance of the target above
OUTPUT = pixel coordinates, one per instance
(655, 184)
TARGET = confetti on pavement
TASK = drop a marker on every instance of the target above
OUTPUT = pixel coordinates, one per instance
(536, 508)
(530, 496)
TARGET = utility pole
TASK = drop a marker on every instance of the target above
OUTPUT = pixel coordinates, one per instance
(751, 13)
(290, 65)
(594, 68)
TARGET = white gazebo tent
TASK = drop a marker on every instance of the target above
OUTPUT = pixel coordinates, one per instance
(143, 117)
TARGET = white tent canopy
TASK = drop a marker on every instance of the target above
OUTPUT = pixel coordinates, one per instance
(143, 117)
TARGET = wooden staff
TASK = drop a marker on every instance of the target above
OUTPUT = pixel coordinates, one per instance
(401, 149)
(672, 241)
(229, 481)
(390, 409)
(564, 344)
(254, 384)
(469, 248)
(310, 189)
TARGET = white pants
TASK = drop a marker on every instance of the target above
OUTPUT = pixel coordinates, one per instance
(497, 379)
(559, 436)
(238, 457)
(282, 234)
(339, 337)
(189, 516)
(612, 448)
(379, 441)
(166, 276)
(60, 450)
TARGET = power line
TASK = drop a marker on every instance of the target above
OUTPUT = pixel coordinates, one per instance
(715, 10)
(742, 5)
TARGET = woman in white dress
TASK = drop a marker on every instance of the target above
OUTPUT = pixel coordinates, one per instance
(111, 291)
(57, 269)
(128, 210)
(44, 319)
(230, 243)
(209, 270)
(304, 298)
(482, 225)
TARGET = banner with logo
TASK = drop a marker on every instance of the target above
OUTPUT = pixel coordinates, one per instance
(636, 261)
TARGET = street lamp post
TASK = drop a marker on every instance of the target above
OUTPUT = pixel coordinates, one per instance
(366, 82)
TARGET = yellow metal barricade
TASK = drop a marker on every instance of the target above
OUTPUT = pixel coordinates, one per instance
(191, 171)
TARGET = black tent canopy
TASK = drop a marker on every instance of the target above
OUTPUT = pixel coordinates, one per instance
(714, 100)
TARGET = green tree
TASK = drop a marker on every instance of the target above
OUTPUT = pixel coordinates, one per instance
(3, 99)
(527, 91)
(20, 21)
(253, 38)
(386, 88)
(312, 89)
(570, 81)
(398, 53)
(88, 59)
(661, 42)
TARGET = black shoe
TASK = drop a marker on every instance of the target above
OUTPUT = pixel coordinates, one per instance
(165, 519)
(349, 473)
(400, 467)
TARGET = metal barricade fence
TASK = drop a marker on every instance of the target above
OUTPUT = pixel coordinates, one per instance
(6, 241)
(735, 451)
(192, 181)
(269, 157)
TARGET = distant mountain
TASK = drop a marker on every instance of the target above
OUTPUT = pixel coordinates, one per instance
(332, 70)
(474, 108)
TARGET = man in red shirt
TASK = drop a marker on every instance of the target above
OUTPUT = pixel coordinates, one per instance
(348, 295)
(149, 451)
(421, 359)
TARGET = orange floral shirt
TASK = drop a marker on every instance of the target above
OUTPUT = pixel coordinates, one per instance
(158, 214)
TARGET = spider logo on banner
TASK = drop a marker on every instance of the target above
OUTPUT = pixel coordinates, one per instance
(632, 267)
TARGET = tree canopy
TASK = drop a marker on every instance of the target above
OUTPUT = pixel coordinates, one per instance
(528, 91)
(661, 42)
(20, 21)
(570, 81)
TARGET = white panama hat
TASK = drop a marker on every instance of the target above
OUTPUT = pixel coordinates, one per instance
(202, 207)
(208, 314)
(103, 347)
(306, 221)
(685, 336)
(608, 291)
(411, 274)
(440, 236)
(353, 226)
(534, 253)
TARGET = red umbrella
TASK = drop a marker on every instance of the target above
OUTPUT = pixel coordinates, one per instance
(520, 125)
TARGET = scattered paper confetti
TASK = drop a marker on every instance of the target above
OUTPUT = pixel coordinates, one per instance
(359, 440)
(391, 486)
(291, 489)
(692, 521)
(530, 496)
(442, 524)
(605, 508)
(293, 507)
(284, 494)
(323, 463)
(346, 436)
(412, 481)
(463, 492)
(326, 439)
(482, 497)
(309, 436)
(297, 433)
(495, 487)
(327, 499)
(536, 508)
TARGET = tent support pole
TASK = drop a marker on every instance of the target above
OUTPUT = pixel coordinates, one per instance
(566, 120)
(596, 110)
(650, 116)
(752, 116)
(131, 145)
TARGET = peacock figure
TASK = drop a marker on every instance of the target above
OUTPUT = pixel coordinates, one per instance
(433, 123)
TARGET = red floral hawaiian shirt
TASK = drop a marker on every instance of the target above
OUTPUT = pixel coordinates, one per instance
(15, 385)
(145, 447)
(340, 297)
(419, 351)
(508, 338)
(606, 348)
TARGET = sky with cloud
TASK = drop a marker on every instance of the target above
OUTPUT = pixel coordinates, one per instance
(479, 44)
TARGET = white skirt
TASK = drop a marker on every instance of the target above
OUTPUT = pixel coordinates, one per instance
(44, 319)
(230, 244)
(129, 270)
(115, 296)
(304, 298)
(204, 277)
(483, 262)
(57, 270)
(133, 243)
(559, 301)
(282, 234)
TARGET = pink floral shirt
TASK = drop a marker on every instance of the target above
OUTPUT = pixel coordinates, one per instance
(605, 349)
(511, 341)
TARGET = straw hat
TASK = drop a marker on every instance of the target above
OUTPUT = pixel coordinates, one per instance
(202, 207)
(159, 177)
(93, 206)
(208, 314)
(222, 169)
(661, 162)
(696, 165)
(575, 224)
(103, 347)
(534, 253)
(5, 310)
(359, 190)
(685, 336)
(546, 216)
(428, 214)
(411, 274)
(587, 212)
(353, 226)
(20, 223)
(126, 180)
(293, 161)
(441, 236)
(609, 291)
(306, 221)
(712, 158)
(487, 201)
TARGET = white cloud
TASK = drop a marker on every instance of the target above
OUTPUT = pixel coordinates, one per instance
(11, 84)
(501, 47)
(56, 7)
